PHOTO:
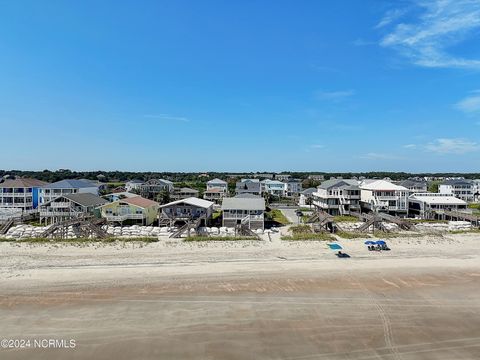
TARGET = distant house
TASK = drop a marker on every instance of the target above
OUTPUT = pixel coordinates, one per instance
(306, 197)
(51, 191)
(414, 186)
(100, 185)
(21, 194)
(337, 196)
(152, 188)
(247, 210)
(134, 184)
(132, 210)
(70, 206)
(293, 188)
(216, 190)
(185, 210)
(217, 184)
(273, 187)
(384, 196)
(282, 177)
(460, 188)
(316, 177)
(248, 186)
(423, 204)
(183, 193)
(119, 189)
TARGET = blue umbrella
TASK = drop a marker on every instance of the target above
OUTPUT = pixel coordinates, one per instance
(370, 242)
(381, 242)
(335, 246)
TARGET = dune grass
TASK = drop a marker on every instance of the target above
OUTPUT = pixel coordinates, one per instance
(277, 216)
(350, 235)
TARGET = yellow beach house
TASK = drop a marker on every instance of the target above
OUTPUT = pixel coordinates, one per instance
(133, 210)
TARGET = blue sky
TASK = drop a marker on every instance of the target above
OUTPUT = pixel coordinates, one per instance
(239, 86)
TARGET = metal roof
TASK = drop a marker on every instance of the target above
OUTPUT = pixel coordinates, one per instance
(69, 184)
(439, 199)
(191, 201)
(243, 203)
(217, 181)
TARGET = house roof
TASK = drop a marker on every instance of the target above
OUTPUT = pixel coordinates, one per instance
(139, 201)
(126, 194)
(247, 195)
(457, 182)
(69, 184)
(191, 201)
(243, 203)
(217, 181)
(187, 190)
(410, 183)
(308, 191)
(22, 183)
(248, 186)
(338, 183)
(439, 199)
(135, 181)
(382, 185)
(86, 199)
(273, 182)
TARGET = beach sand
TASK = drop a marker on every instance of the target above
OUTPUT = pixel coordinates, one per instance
(244, 300)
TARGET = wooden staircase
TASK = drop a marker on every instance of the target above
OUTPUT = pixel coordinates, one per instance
(84, 226)
(5, 227)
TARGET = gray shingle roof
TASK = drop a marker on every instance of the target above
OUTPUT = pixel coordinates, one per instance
(236, 203)
(86, 199)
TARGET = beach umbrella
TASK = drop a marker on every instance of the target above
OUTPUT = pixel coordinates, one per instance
(381, 242)
(335, 246)
(370, 242)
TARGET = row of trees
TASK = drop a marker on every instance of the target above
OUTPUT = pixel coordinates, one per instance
(196, 178)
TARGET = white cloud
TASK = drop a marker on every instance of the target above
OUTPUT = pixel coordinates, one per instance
(470, 104)
(452, 146)
(166, 117)
(334, 95)
(390, 16)
(379, 156)
(317, 146)
(442, 24)
(410, 146)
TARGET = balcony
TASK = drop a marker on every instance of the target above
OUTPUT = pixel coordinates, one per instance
(123, 217)
(50, 213)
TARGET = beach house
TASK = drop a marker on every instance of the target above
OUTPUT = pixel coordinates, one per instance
(21, 194)
(183, 193)
(460, 188)
(153, 187)
(273, 187)
(293, 188)
(186, 210)
(384, 196)
(70, 206)
(414, 186)
(217, 189)
(248, 186)
(337, 196)
(244, 210)
(424, 205)
(132, 210)
(51, 191)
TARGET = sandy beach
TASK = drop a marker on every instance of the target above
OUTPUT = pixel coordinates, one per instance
(244, 300)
